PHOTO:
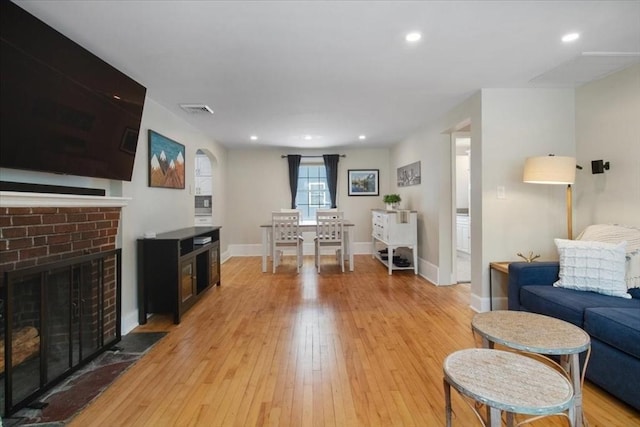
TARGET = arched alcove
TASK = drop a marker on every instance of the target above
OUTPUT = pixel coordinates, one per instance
(205, 168)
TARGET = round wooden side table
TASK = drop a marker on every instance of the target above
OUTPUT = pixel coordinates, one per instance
(506, 381)
(539, 334)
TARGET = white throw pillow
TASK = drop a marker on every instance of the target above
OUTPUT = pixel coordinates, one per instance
(614, 233)
(592, 266)
(633, 269)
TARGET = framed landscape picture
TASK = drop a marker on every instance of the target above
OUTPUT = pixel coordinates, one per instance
(364, 182)
(166, 162)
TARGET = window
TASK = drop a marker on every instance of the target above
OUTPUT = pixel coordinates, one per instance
(313, 191)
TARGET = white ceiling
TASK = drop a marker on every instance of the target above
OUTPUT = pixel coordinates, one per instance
(338, 69)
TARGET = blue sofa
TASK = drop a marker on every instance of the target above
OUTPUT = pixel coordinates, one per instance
(612, 322)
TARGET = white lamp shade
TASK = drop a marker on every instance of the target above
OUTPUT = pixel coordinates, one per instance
(550, 170)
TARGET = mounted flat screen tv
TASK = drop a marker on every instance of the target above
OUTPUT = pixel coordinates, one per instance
(64, 110)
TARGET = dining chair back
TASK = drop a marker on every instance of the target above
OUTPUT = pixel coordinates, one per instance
(286, 234)
(330, 233)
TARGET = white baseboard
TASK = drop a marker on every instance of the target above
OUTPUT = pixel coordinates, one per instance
(500, 303)
(478, 303)
(429, 271)
(362, 248)
(255, 249)
(244, 250)
(482, 304)
(129, 322)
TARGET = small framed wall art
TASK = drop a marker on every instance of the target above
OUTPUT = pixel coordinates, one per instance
(166, 162)
(409, 175)
(364, 182)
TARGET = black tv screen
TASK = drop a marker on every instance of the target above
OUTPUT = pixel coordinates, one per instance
(64, 110)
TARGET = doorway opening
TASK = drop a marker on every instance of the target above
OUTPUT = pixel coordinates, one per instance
(461, 197)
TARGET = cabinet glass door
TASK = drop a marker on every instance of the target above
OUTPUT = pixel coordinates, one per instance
(215, 263)
(186, 281)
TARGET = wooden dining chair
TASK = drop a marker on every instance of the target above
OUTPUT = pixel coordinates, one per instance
(286, 234)
(329, 233)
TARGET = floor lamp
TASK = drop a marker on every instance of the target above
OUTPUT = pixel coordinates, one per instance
(553, 170)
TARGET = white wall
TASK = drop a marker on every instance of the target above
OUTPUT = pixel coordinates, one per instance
(608, 128)
(516, 124)
(162, 209)
(507, 125)
(258, 183)
(432, 198)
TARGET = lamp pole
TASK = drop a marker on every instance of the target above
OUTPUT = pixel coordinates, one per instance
(569, 212)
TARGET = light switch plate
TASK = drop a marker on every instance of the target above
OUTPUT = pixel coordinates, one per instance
(501, 192)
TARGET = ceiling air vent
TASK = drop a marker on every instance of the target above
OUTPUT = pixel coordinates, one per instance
(196, 108)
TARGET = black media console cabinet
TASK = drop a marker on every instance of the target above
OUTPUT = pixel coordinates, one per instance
(175, 268)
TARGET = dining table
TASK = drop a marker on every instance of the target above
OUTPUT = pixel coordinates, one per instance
(307, 226)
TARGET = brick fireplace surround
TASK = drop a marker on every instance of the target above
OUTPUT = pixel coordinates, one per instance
(33, 235)
(41, 235)
(43, 229)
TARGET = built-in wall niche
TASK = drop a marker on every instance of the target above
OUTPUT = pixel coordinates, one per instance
(203, 198)
(203, 174)
(203, 205)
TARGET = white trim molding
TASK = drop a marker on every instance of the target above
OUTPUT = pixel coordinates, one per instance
(13, 199)
(430, 272)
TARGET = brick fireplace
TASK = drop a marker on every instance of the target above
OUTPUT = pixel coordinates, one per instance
(40, 235)
(60, 281)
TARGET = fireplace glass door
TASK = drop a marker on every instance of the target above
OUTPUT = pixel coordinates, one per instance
(57, 318)
(26, 334)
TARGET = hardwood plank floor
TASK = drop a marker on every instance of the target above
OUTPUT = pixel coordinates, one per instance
(287, 349)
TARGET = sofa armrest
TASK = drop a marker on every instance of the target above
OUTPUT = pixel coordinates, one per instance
(530, 274)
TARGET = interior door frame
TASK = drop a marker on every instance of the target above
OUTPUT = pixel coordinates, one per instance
(454, 190)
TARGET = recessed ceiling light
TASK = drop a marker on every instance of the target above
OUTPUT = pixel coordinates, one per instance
(253, 137)
(361, 137)
(116, 97)
(308, 137)
(571, 37)
(413, 37)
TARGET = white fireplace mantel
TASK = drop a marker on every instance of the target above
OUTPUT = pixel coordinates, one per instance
(13, 199)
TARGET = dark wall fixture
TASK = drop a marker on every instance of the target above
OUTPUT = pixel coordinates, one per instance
(599, 166)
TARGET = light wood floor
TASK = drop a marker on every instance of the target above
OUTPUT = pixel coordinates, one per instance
(352, 349)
